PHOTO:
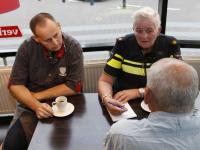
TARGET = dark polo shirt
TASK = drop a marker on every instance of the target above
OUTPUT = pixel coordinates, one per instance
(35, 68)
(38, 70)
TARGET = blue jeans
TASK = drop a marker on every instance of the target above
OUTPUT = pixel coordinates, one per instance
(16, 138)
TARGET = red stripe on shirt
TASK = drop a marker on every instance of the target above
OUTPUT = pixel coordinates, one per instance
(78, 87)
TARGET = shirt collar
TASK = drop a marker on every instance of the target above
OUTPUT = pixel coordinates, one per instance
(60, 52)
(161, 114)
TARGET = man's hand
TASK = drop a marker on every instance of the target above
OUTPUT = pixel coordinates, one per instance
(113, 109)
(43, 110)
(126, 95)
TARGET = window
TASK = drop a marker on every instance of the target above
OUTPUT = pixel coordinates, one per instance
(100, 23)
(183, 21)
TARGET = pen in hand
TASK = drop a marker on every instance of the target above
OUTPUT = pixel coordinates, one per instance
(115, 105)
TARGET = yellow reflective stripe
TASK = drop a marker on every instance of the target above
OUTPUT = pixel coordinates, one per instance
(134, 70)
(118, 56)
(136, 63)
(171, 56)
(115, 63)
(132, 62)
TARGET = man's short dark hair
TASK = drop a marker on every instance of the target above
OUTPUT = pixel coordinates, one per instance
(40, 19)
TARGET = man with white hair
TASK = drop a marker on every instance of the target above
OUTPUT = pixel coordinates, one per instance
(124, 75)
(172, 87)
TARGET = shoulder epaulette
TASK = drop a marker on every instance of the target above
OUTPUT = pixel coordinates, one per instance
(120, 39)
(173, 41)
(125, 37)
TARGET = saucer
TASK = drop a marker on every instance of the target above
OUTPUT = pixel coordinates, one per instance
(57, 113)
(145, 107)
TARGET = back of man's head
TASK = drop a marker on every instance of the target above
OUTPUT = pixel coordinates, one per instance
(174, 85)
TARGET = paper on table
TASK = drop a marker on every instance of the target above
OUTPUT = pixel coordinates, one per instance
(128, 114)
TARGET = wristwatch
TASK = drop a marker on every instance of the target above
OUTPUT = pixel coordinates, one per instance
(141, 91)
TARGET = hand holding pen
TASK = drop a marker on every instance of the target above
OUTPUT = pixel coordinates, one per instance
(115, 105)
(116, 108)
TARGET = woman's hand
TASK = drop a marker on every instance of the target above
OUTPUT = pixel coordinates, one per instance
(126, 95)
(113, 109)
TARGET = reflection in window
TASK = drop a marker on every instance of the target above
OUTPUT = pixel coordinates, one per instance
(182, 19)
(100, 23)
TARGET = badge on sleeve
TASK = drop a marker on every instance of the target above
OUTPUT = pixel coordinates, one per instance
(111, 56)
(178, 55)
(8, 85)
(78, 87)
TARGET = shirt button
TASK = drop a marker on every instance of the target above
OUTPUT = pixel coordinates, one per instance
(49, 74)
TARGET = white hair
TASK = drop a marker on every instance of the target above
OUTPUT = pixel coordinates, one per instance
(173, 84)
(147, 12)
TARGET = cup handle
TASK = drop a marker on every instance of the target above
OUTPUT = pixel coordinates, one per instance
(53, 103)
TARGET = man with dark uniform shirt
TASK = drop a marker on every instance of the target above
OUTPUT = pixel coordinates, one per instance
(47, 65)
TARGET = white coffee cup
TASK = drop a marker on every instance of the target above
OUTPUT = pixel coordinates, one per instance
(61, 103)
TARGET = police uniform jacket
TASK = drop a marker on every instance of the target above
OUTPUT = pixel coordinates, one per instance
(128, 64)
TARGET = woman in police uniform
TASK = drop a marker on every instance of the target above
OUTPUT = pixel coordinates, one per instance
(124, 75)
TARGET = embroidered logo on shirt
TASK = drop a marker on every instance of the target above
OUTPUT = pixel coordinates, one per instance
(62, 71)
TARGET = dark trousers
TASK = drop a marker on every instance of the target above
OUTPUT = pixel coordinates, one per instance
(16, 138)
